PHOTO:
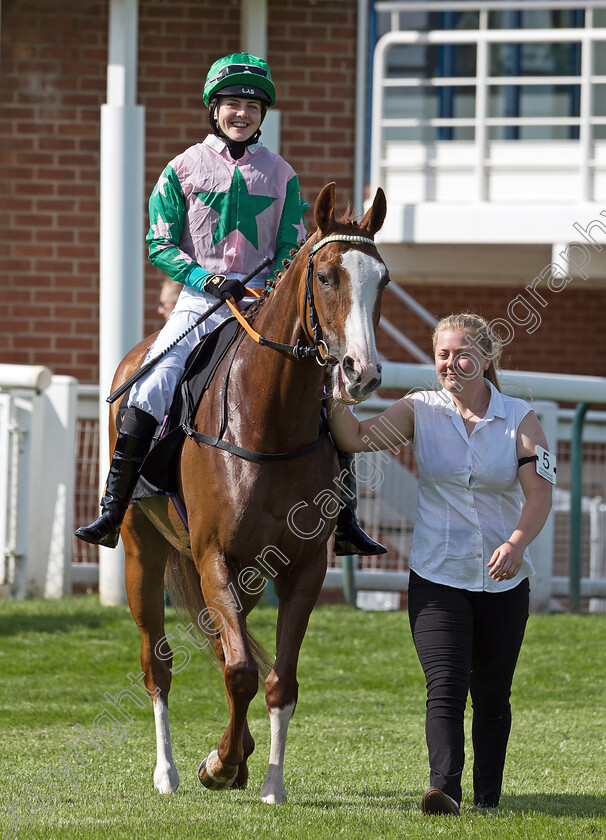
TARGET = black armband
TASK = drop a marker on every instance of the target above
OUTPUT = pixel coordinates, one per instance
(527, 460)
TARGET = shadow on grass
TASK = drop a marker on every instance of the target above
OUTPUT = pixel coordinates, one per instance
(550, 804)
(384, 801)
(554, 804)
(29, 621)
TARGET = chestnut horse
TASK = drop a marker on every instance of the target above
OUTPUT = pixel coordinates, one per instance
(251, 517)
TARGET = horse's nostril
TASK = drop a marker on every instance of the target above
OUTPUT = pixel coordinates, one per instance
(379, 369)
(348, 363)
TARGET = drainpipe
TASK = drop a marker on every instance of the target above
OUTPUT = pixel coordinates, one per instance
(362, 104)
(253, 39)
(122, 241)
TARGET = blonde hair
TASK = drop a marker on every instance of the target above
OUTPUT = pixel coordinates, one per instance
(173, 287)
(483, 338)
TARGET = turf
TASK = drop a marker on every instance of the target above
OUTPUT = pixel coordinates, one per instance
(356, 763)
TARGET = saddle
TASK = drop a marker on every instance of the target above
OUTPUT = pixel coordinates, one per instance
(158, 474)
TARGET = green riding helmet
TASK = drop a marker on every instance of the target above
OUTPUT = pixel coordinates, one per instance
(240, 74)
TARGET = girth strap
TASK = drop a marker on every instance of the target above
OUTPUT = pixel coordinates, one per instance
(248, 455)
(256, 457)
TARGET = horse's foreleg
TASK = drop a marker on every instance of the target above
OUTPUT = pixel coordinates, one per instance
(166, 775)
(224, 768)
(218, 775)
(273, 791)
(145, 560)
(281, 686)
(248, 743)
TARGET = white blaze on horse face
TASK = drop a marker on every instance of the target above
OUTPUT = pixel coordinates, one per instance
(366, 275)
(166, 777)
(273, 791)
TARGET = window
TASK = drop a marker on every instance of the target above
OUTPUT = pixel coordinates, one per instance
(542, 101)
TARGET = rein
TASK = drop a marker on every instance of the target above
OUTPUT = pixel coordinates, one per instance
(319, 350)
(219, 442)
(299, 351)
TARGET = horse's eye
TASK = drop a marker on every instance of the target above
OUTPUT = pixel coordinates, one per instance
(323, 279)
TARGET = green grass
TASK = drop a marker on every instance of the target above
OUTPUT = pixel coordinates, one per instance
(356, 763)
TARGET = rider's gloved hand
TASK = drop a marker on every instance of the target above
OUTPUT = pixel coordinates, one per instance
(223, 287)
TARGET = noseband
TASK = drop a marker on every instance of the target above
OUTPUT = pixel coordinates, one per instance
(319, 349)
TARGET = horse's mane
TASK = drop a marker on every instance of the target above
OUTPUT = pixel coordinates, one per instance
(348, 219)
(254, 310)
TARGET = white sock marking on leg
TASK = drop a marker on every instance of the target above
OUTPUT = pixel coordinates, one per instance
(166, 777)
(273, 791)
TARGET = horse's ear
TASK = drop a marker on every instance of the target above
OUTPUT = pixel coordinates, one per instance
(325, 209)
(375, 216)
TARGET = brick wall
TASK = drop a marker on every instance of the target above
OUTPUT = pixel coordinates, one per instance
(52, 85)
(312, 52)
(570, 337)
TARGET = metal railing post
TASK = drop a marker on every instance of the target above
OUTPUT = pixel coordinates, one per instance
(576, 493)
(349, 585)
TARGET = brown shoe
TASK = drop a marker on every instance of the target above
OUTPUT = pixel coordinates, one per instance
(436, 801)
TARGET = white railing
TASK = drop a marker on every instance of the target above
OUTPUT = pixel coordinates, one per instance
(41, 433)
(485, 162)
(388, 511)
(398, 336)
(37, 468)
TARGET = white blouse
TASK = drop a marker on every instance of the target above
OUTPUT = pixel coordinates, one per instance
(470, 499)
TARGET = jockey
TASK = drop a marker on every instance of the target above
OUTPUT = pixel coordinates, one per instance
(217, 209)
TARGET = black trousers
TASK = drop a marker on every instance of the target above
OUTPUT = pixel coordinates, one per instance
(467, 641)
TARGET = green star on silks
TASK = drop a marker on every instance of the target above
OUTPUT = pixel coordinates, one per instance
(237, 209)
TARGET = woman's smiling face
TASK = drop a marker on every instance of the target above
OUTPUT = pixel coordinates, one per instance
(238, 118)
(458, 359)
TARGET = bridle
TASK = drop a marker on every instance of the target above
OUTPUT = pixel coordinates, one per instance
(298, 351)
(319, 348)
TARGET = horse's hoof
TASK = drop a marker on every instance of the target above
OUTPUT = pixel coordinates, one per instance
(277, 798)
(274, 799)
(242, 777)
(273, 791)
(166, 780)
(221, 779)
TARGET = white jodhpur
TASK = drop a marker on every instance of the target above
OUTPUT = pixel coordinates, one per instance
(153, 393)
(273, 791)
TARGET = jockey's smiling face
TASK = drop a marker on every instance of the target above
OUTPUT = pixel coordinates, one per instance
(238, 117)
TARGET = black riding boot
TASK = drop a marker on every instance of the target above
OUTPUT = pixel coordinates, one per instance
(132, 445)
(350, 538)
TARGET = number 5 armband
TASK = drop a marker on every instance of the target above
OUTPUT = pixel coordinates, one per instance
(545, 463)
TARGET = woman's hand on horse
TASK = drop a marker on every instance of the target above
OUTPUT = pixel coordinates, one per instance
(223, 287)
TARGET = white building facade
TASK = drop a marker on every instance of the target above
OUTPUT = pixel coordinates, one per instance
(488, 129)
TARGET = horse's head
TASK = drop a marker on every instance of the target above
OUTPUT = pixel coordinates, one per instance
(348, 281)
